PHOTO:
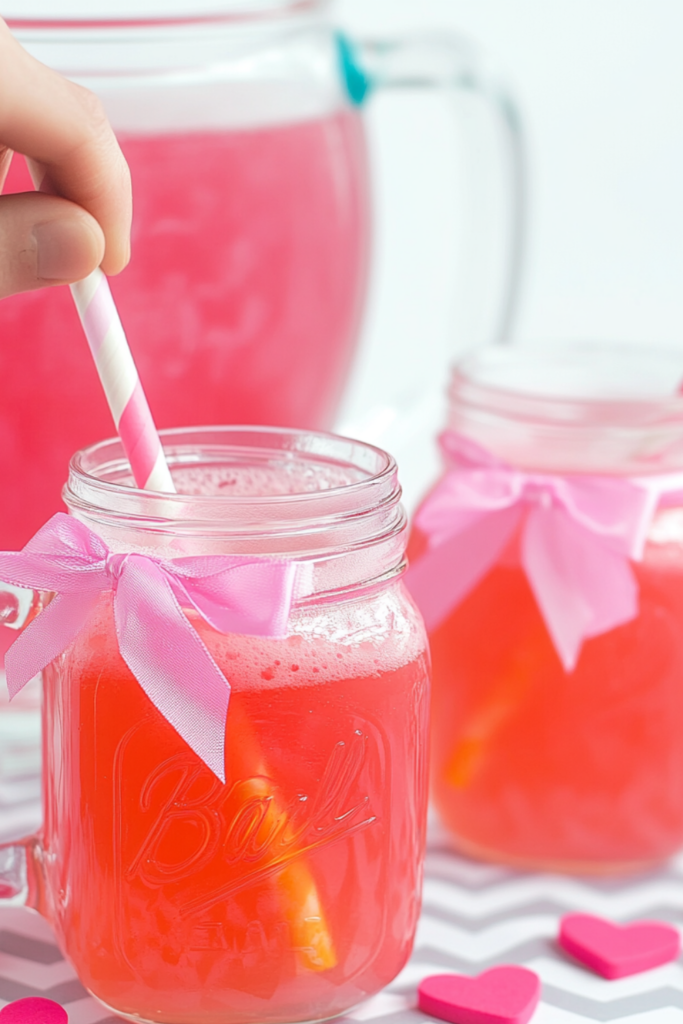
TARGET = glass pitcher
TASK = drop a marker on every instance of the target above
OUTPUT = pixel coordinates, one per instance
(241, 122)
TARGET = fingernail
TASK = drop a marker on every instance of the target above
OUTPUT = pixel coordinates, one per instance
(63, 250)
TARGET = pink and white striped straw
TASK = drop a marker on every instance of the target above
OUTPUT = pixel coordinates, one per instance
(121, 383)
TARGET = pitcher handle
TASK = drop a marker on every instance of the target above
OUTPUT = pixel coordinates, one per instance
(449, 61)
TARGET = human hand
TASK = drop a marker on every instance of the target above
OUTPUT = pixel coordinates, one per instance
(81, 217)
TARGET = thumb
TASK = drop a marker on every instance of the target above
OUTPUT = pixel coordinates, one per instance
(45, 240)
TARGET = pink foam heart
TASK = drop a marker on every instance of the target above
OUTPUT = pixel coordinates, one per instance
(503, 995)
(33, 1010)
(615, 951)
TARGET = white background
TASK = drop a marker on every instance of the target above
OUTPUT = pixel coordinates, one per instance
(600, 84)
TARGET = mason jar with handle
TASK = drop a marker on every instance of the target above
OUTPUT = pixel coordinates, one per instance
(242, 124)
(236, 690)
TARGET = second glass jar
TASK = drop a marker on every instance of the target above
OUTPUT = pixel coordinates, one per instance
(548, 562)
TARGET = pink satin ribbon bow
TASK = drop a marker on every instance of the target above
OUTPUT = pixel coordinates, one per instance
(578, 536)
(156, 640)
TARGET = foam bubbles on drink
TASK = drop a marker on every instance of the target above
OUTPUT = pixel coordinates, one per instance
(288, 476)
(355, 639)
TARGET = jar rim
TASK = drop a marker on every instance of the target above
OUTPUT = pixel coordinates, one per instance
(335, 505)
(573, 381)
(573, 407)
(79, 14)
(100, 480)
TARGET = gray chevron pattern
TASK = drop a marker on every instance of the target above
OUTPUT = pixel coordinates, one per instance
(475, 916)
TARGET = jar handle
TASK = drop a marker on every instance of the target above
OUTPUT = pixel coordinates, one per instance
(16, 605)
(21, 861)
(451, 62)
(21, 873)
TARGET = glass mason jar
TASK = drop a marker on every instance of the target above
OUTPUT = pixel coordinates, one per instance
(292, 891)
(548, 563)
(242, 124)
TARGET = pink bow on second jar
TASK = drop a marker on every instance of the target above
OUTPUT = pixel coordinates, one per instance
(578, 534)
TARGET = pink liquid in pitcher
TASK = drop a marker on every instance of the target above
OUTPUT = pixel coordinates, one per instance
(241, 301)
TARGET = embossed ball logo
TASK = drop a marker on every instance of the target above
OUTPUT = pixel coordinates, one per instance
(250, 825)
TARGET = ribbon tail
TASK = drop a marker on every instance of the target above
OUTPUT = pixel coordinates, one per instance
(582, 587)
(46, 637)
(446, 573)
(168, 658)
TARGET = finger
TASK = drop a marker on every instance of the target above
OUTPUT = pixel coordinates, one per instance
(45, 240)
(63, 129)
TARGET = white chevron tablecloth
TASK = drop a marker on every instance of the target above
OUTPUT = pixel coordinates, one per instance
(474, 916)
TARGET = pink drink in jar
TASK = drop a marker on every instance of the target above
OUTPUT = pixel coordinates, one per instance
(292, 892)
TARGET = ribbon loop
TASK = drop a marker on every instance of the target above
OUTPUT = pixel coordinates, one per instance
(579, 534)
(156, 639)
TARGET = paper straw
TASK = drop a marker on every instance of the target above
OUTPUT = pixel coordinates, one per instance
(121, 383)
(135, 426)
